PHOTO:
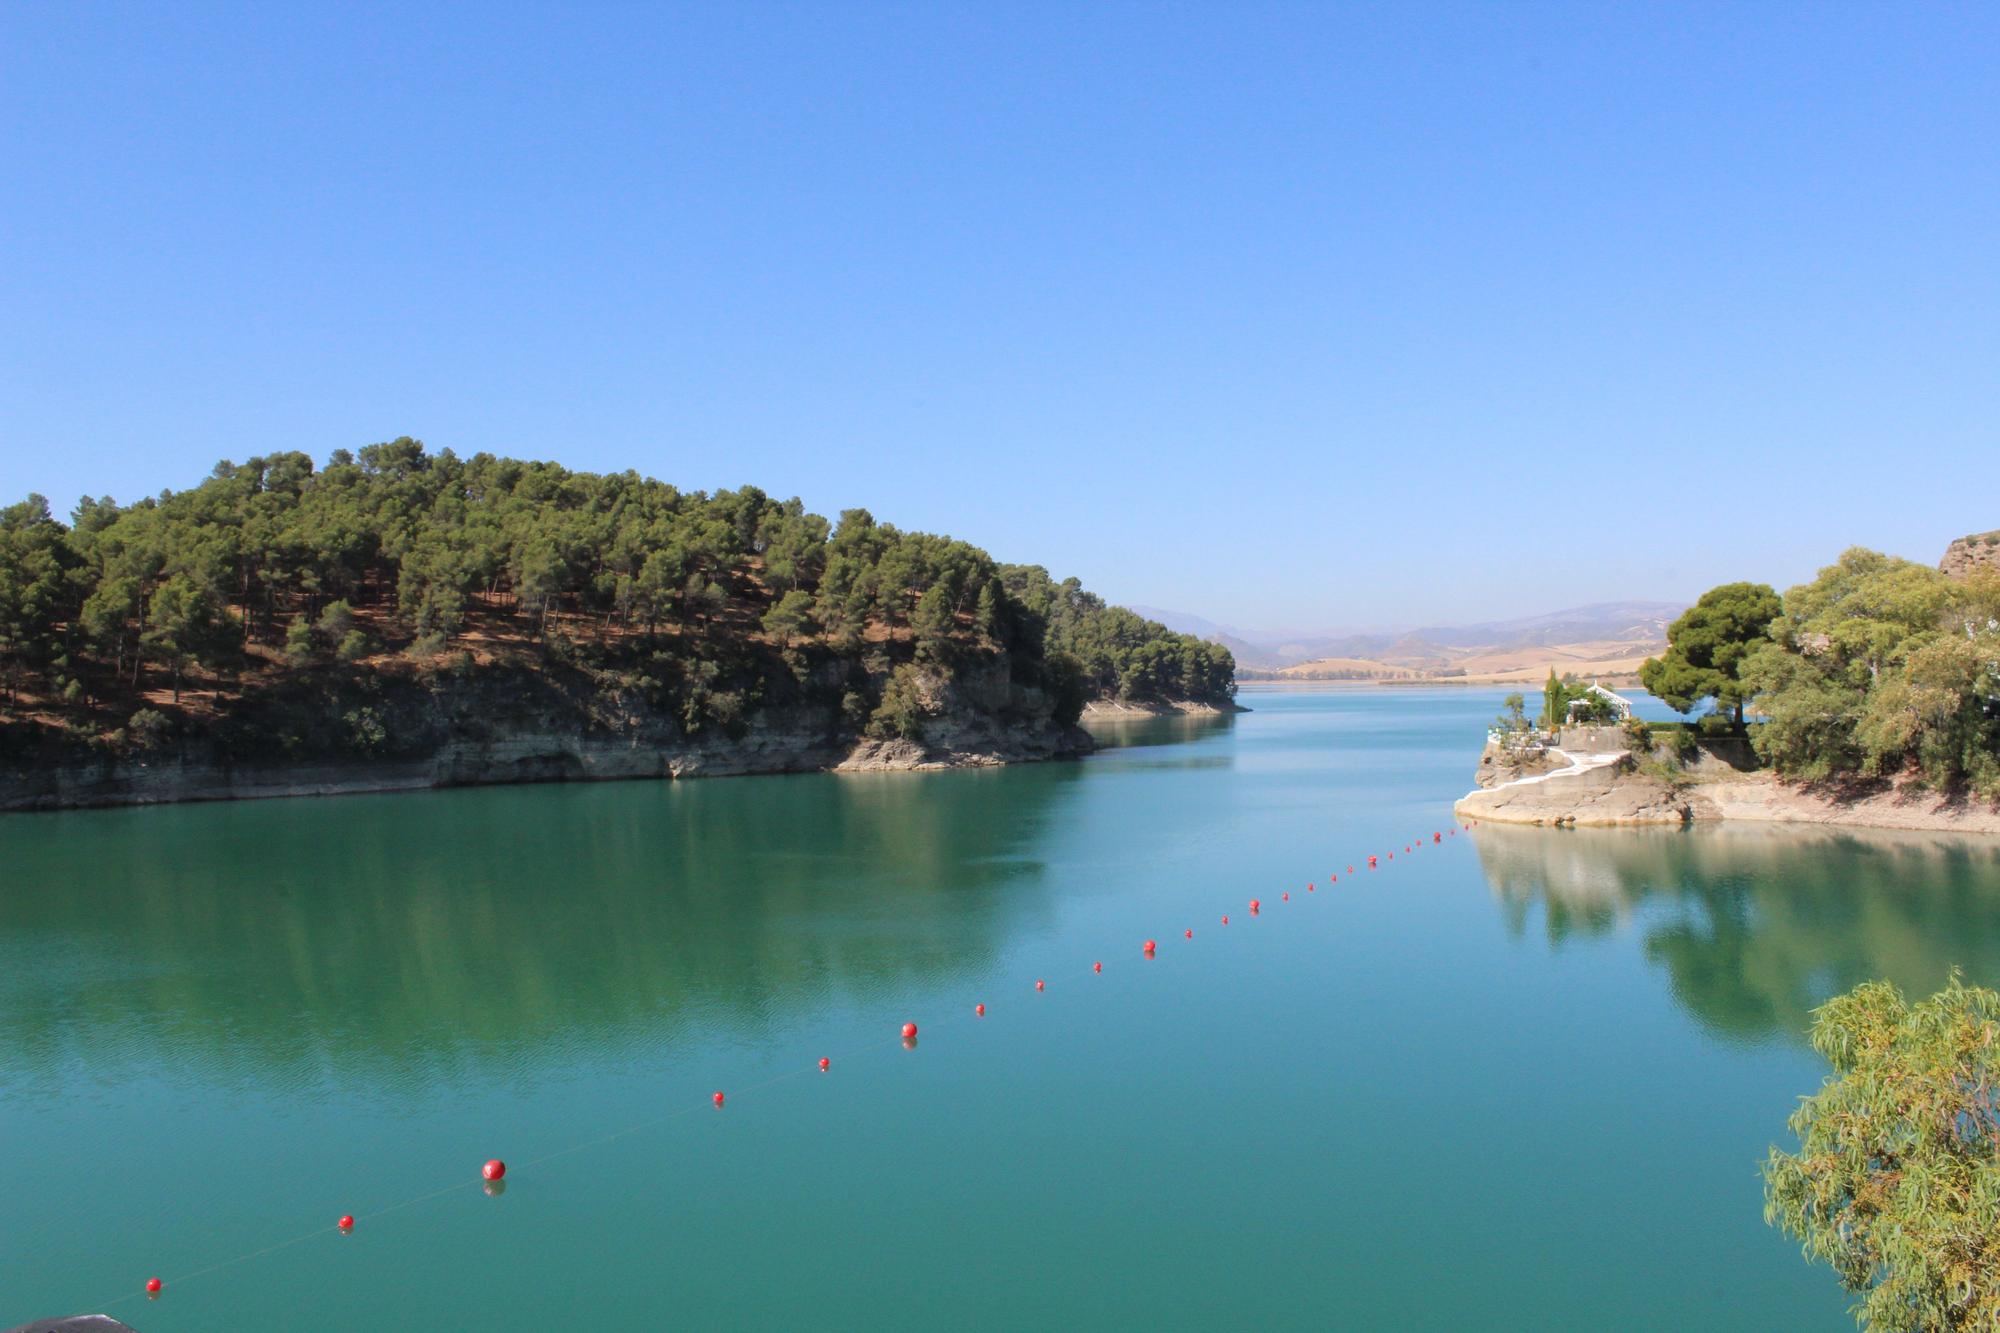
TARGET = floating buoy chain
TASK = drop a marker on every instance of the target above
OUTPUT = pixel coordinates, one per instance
(493, 1173)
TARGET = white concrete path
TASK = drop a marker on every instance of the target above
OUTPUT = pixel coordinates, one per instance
(1578, 763)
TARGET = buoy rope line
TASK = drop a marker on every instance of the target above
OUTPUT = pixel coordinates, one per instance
(155, 1287)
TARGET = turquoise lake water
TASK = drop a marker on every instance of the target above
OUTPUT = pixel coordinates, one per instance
(1519, 1080)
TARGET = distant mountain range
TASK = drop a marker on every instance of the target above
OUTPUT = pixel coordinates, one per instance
(1608, 637)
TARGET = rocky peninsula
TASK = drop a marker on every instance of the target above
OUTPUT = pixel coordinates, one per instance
(1591, 777)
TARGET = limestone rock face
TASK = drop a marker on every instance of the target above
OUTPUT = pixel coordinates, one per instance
(449, 730)
(1969, 553)
(1612, 794)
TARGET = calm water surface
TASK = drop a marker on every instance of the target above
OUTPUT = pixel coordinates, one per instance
(1518, 1081)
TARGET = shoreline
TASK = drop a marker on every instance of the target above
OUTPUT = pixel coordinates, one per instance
(1484, 681)
(518, 757)
(1107, 710)
(1614, 793)
(514, 761)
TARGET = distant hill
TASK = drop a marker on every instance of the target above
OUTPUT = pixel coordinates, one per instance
(404, 618)
(1602, 638)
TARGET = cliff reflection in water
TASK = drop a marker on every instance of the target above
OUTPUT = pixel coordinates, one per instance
(407, 939)
(1755, 926)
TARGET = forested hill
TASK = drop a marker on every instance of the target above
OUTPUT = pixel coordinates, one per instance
(264, 608)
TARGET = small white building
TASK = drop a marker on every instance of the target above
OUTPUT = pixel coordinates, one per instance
(1619, 703)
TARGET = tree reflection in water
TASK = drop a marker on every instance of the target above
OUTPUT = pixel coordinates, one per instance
(1757, 925)
(403, 941)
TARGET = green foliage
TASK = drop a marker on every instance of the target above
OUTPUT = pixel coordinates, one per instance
(1881, 667)
(790, 616)
(1514, 715)
(1068, 686)
(365, 731)
(1866, 613)
(854, 709)
(1118, 654)
(147, 727)
(933, 621)
(1590, 707)
(986, 611)
(1717, 725)
(336, 622)
(185, 625)
(717, 601)
(1896, 1183)
(1708, 646)
(1638, 736)
(35, 589)
(909, 699)
(1555, 701)
(1559, 692)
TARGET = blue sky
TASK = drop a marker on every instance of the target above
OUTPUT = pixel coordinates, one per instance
(1301, 315)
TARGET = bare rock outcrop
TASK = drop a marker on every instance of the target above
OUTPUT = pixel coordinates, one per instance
(1970, 553)
(452, 729)
(1614, 793)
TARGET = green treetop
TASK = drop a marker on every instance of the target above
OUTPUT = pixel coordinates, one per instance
(273, 571)
(1884, 668)
(1896, 1183)
(1708, 646)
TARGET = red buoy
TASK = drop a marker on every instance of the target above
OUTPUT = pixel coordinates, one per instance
(153, 1286)
(494, 1169)
(1097, 967)
(1189, 932)
(824, 1064)
(1309, 888)
(1350, 870)
(1255, 907)
(979, 1010)
(1038, 985)
(1225, 921)
(718, 1099)
(1437, 837)
(347, 1222)
(1333, 879)
(1285, 897)
(909, 1031)
(1148, 946)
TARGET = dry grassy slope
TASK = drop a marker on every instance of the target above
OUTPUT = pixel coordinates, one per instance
(1482, 665)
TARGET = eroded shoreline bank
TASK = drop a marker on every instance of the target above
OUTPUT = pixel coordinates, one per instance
(514, 760)
(1617, 791)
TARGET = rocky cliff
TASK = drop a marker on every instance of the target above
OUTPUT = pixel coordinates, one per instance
(442, 729)
(1969, 553)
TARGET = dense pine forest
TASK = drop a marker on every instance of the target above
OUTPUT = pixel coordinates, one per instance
(264, 608)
